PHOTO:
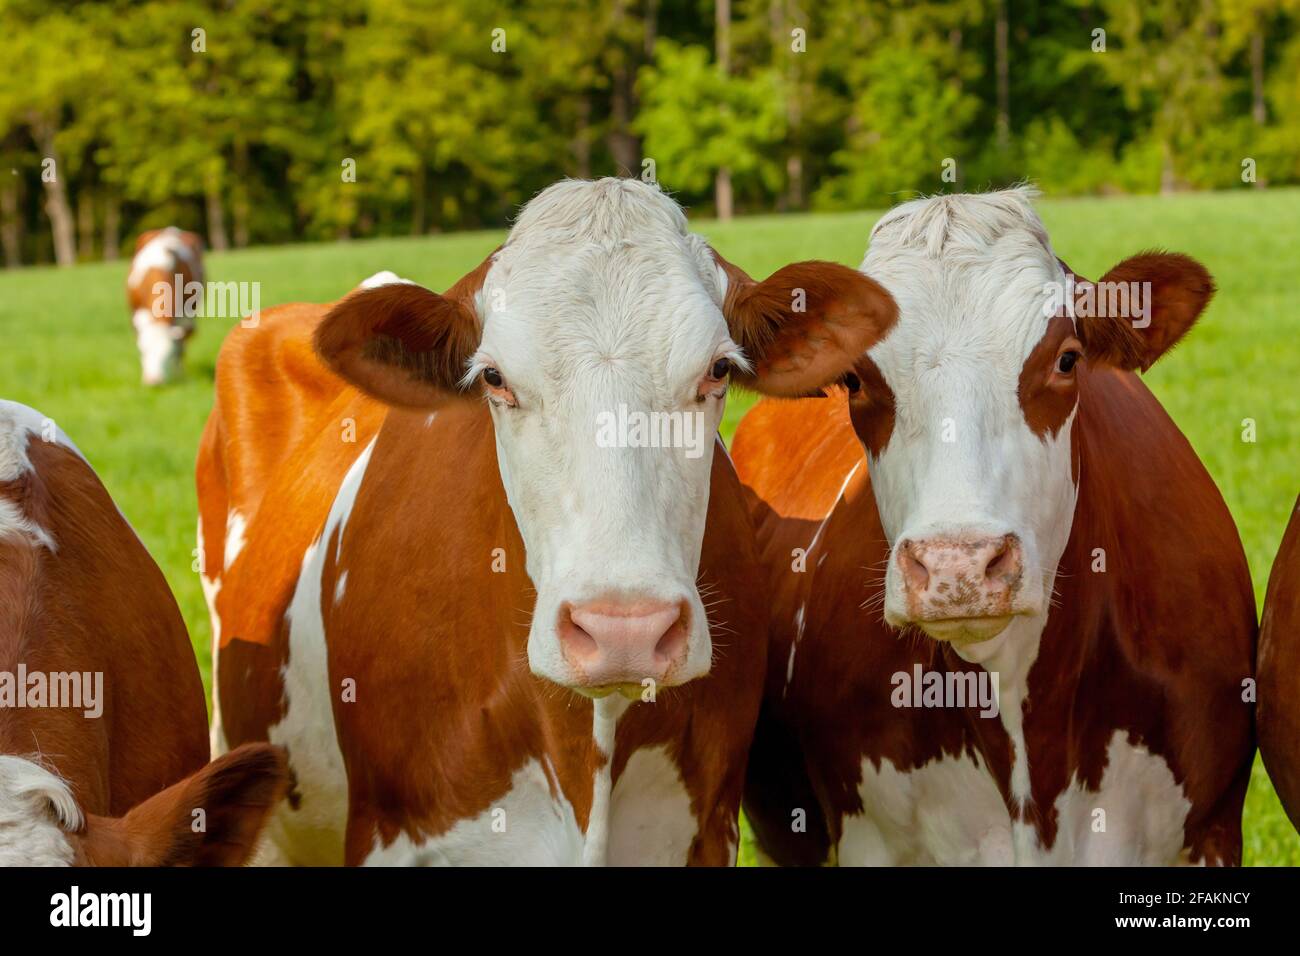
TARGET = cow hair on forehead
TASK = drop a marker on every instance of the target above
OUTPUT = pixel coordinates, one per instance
(971, 223)
(605, 211)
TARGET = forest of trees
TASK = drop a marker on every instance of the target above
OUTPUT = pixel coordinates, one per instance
(256, 121)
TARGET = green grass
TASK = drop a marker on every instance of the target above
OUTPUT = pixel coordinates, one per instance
(71, 354)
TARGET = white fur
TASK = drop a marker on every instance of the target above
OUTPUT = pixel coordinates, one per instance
(313, 833)
(601, 297)
(971, 275)
(161, 252)
(652, 820)
(37, 811)
(383, 278)
(532, 825)
(19, 425)
(211, 585)
(236, 526)
(949, 813)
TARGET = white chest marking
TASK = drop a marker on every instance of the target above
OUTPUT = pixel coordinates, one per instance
(949, 812)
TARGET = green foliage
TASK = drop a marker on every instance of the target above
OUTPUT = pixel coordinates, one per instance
(697, 121)
(453, 111)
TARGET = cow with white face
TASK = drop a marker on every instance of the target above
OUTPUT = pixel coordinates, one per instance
(484, 532)
(163, 312)
(1018, 498)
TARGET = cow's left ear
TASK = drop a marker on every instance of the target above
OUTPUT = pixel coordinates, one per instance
(804, 326)
(213, 817)
(1166, 292)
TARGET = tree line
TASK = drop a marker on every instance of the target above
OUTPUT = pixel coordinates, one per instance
(257, 121)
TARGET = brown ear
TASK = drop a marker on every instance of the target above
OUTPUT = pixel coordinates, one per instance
(804, 326)
(211, 818)
(1166, 292)
(403, 344)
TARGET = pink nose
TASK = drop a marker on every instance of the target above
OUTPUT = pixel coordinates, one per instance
(960, 577)
(619, 642)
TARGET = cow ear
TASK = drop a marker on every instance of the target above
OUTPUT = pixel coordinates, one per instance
(804, 326)
(1166, 293)
(211, 818)
(401, 343)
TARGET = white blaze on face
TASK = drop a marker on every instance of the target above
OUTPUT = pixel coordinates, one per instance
(601, 299)
(37, 811)
(971, 275)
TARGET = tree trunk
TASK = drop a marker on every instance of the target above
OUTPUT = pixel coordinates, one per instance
(1003, 68)
(417, 200)
(112, 226)
(623, 145)
(239, 205)
(56, 196)
(11, 223)
(722, 196)
(1258, 106)
(216, 212)
(651, 27)
(582, 138)
(85, 223)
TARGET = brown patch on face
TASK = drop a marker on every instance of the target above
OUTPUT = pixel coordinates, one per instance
(871, 407)
(1047, 395)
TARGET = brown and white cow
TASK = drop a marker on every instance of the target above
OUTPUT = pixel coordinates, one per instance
(102, 718)
(1013, 622)
(166, 261)
(430, 576)
(1278, 714)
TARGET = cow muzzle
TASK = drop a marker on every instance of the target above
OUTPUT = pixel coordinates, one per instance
(961, 588)
(624, 646)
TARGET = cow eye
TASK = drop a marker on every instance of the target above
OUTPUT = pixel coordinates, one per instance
(720, 368)
(493, 378)
(852, 383)
(1065, 363)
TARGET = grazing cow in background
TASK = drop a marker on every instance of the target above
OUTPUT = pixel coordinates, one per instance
(102, 720)
(1062, 671)
(165, 262)
(487, 626)
(1278, 662)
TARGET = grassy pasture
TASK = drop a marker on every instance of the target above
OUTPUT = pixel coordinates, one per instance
(70, 353)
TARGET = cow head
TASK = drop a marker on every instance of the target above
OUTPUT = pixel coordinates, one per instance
(603, 336)
(41, 823)
(160, 339)
(966, 407)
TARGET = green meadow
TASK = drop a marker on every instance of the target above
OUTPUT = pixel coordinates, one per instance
(70, 353)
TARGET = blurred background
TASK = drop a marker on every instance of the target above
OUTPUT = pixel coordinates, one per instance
(268, 121)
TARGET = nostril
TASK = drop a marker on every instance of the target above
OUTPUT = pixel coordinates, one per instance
(915, 574)
(1004, 561)
(575, 641)
(673, 641)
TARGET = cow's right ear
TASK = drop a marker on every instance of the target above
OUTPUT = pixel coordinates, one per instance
(401, 343)
(804, 326)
